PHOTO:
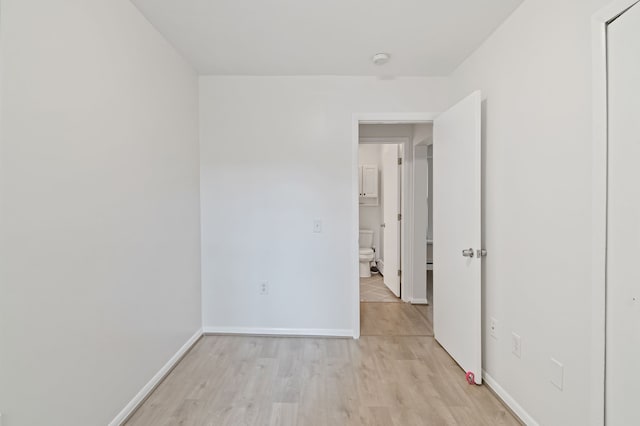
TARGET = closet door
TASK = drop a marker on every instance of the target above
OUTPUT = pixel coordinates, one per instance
(623, 235)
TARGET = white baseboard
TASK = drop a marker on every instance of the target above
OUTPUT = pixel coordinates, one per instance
(508, 400)
(298, 332)
(419, 301)
(155, 380)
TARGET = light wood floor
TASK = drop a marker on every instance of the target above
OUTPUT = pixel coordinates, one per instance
(395, 319)
(373, 289)
(385, 380)
(378, 318)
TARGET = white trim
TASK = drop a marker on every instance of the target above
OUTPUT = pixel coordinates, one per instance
(355, 226)
(155, 381)
(291, 332)
(394, 140)
(508, 400)
(612, 11)
(599, 223)
(419, 301)
(407, 244)
(599, 24)
(395, 117)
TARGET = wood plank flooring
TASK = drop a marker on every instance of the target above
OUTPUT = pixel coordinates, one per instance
(385, 380)
(373, 289)
(395, 319)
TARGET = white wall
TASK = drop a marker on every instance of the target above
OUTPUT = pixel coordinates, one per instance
(534, 72)
(430, 192)
(290, 164)
(371, 216)
(422, 134)
(386, 131)
(99, 222)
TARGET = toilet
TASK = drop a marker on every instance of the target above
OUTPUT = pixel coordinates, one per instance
(366, 252)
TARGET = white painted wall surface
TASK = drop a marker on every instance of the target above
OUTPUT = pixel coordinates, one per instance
(369, 154)
(263, 187)
(421, 138)
(430, 193)
(534, 72)
(99, 221)
(371, 216)
(386, 131)
(422, 133)
(419, 231)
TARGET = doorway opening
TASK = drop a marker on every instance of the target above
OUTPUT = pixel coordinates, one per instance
(456, 235)
(393, 224)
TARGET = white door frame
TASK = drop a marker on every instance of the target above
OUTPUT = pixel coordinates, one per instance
(407, 242)
(600, 21)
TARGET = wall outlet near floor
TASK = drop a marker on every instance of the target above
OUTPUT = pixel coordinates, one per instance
(493, 328)
(516, 344)
(557, 373)
(264, 288)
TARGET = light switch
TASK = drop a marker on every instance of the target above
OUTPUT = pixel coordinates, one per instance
(317, 226)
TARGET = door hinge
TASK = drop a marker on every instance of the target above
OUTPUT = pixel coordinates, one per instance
(399, 216)
(399, 272)
(399, 161)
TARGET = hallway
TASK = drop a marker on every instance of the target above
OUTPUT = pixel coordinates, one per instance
(384, 314)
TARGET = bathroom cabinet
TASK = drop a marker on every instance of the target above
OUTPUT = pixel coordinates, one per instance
(368, 181)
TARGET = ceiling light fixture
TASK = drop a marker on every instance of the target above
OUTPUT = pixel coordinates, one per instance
(381, 58)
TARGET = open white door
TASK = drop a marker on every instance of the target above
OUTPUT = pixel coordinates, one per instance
(623, 223)
(456, 233)
(391, 209)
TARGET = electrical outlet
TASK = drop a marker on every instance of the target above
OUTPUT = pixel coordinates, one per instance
(493, 328)
(516, 344)
(264, 288)
(557, 373)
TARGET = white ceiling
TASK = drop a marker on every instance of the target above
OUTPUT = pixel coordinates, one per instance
(334, 37)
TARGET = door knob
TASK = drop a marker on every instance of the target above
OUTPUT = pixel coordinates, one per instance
(467, 252)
